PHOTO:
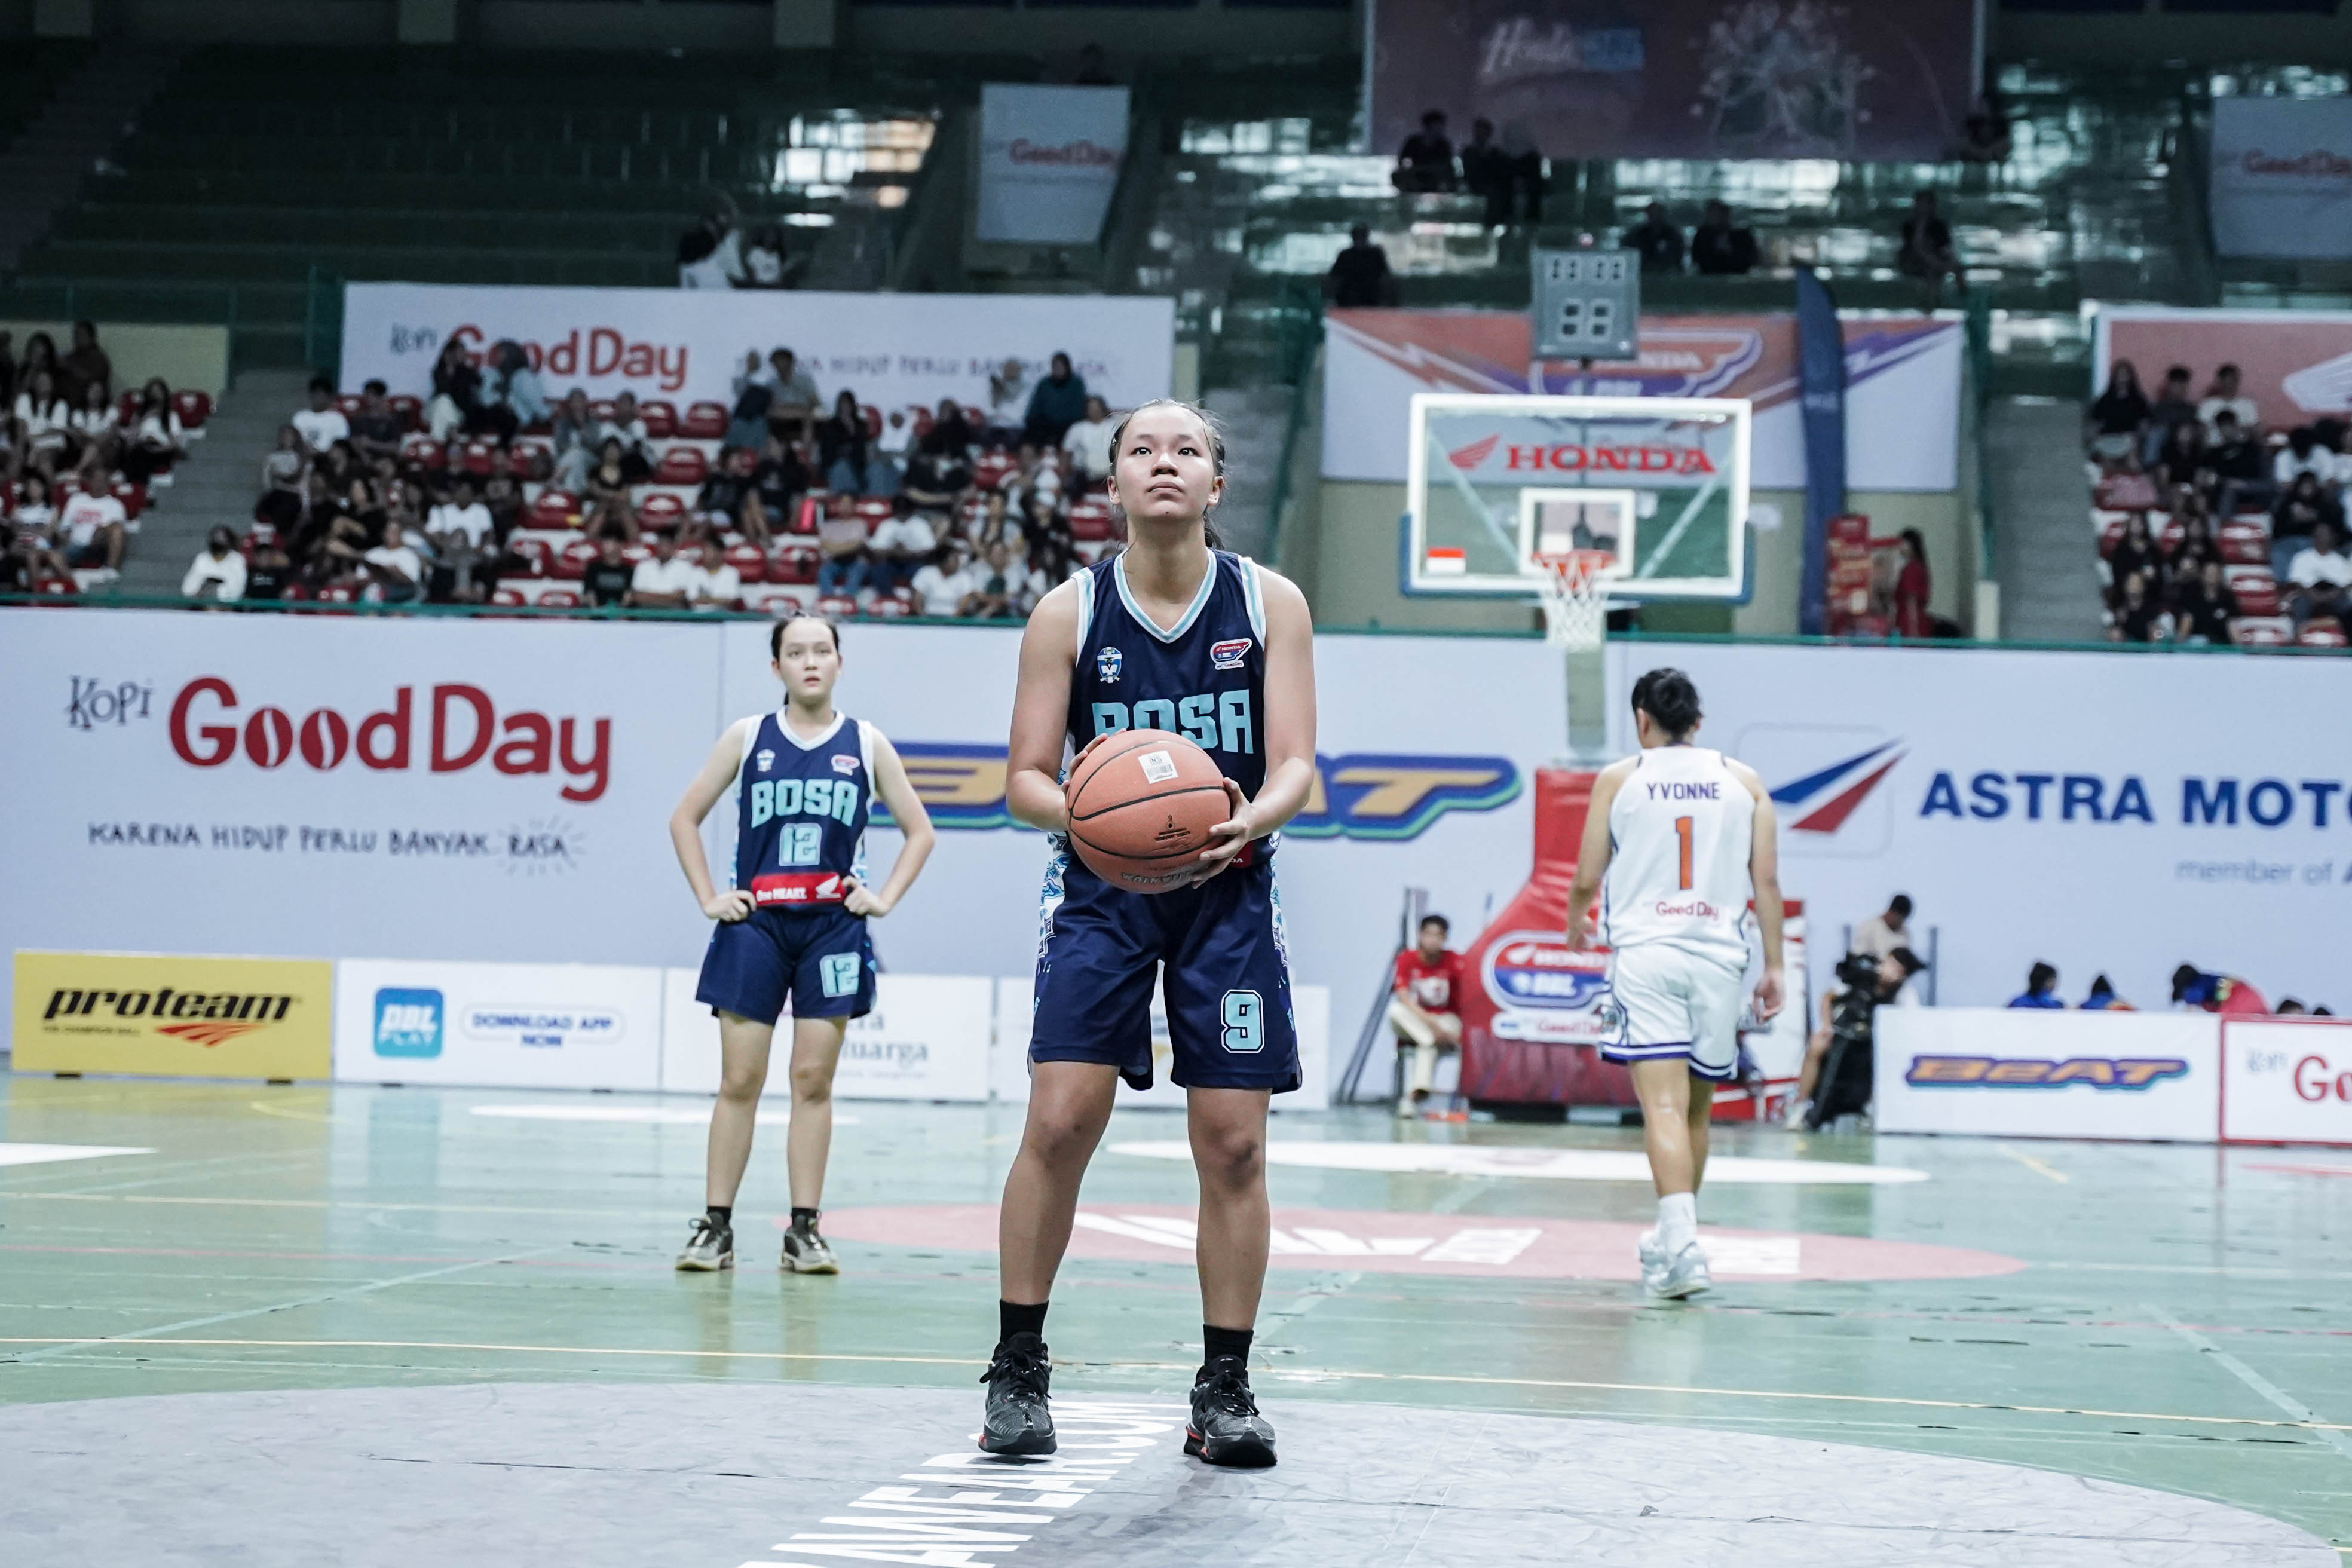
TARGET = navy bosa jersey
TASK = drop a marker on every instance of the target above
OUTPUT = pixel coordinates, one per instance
(1204, 680)
(800, 810)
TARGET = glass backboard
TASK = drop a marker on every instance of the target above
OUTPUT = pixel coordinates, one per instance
(1494, 480)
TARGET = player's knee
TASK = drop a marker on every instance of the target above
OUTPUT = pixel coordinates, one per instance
(1230, 1156)
(1059, 1141)
(812, 1082)
(741, 1085)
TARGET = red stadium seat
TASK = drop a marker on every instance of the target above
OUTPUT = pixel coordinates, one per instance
(535, 552)
(792, 563)
(299, 593)
(335, 594)
(2321, 633)
(2125, 492)
(562, 599)
(425, 452)
(2261, 631)
(890, 609)
(681, 466)
(835, 607)
(872, 421)
(872, 509)
(57, 587)
(633, 554)
(195, 408)
(602, 407)
(126, 409)
(555, 508)
(920, 417)
(975, 415)
(2256, 589)
(478, 458)
(704, 421)
(779, 602)
(410, 409)
(1094, 524)
(751, 563)
(507, 598)
(660, 416)
(134, 498)
(661, 512)
(2243, 544)
(349, 403)
(571, 562)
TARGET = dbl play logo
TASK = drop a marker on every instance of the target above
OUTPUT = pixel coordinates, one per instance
(407, 1021)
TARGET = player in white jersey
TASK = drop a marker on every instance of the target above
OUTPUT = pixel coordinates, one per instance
(1677, 841)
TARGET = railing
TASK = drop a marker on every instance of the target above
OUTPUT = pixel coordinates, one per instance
(1302, 340)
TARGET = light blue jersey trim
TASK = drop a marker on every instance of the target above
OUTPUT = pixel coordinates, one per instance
(1253, 595)
(1086, 582)
(1192, 613)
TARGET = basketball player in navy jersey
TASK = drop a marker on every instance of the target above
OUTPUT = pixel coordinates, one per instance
(792, 926)
(1171, 633)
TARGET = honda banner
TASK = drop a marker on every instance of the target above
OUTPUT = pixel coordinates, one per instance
(1680, 78)
(2281, 176)
(687, 345)
(1902, 376)
(1049, 160)
(2295, 365)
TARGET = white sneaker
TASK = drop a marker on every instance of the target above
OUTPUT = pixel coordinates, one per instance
(1652, 1260)
(1795, 1115)
(1685, 1275)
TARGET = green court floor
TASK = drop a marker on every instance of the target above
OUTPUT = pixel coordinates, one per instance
(2180, 1322)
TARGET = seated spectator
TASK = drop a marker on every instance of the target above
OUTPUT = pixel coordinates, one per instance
(2118, 413)
(1426, 161)
(628, 426)
(792, 400)
(2300, 511)
(717, 585)
(778, 481)
(576, 439)
(719, 506)
(2182, 462)
(2226, 396)
(96, 431)
(711, 254)
(2041, 990)
(1055, 404)
(84, 366)
(397, 566)
(755, 391)
(606, 582)
(456, 397)
(2235, 459)
(999, 585)
(2205, 605)
(1053, 559)
(2320, 575)
(32, 532)
(375, 429)
(218, 573)
(900, 543)
(1360, 276)
(2102, 998)
(605, 500)
(154, 439)
(2185, 557)
(1926, 251)
(92, 524)
(842, 444)
(465, 538)
(763, 260)
(1986, 138)
(1008, 405)
(943, 585)
(1488, 172)
(2304, 454)
(268, 570)
(511, 397)
(1087, 442)
(321, 424)
(2173, 405)
(503, 498)
(950, 434)
(1719, 247)
(2139, 616)
(935, 480)
(842, 563)
(665, 581)
(44, 423)
(1659, 239)
(1425, 1007)
(886, 463)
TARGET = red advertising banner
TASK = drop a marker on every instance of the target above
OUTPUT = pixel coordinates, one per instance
(2295, 365)
(1680, 78)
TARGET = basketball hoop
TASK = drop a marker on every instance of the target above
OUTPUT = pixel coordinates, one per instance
(1575, 596)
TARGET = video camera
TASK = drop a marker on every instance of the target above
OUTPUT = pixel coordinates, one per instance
(1859, 971)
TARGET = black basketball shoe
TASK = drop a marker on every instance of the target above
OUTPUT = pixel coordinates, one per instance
(1227, 1428)
(710, 1246)
(1017, 1421)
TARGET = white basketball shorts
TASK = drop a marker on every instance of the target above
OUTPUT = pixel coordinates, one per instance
(1671, 1003)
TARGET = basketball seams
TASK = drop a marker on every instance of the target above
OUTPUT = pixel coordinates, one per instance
(1145, 800)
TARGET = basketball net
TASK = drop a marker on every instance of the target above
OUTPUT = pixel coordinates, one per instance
(1575, 597)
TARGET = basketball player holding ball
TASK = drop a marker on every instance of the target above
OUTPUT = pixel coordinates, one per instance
(1171, 634)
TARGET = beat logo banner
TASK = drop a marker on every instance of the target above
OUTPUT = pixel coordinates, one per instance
(172, 1016)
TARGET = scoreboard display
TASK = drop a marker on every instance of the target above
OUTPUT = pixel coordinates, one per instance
(1588, 304)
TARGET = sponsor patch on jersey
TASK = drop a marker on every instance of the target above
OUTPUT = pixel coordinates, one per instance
(1158, 767)
(1228, 654)
(765, 758)
(844, 765)
(1107, 665)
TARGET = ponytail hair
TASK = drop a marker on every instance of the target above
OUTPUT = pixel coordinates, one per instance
(1669, 696)
(1216, 456)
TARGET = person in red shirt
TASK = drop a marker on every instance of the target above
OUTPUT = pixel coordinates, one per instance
(1426, 1007)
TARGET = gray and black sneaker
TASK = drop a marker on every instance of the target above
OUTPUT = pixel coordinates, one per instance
(1017, 1421)
(806, 1252)
(710, 1246)
(1227, 1428)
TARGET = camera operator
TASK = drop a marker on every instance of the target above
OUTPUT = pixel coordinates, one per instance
(1868, 984)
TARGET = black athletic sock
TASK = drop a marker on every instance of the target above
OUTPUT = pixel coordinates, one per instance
(1018, 1318)
(721, 1214)
(804, 1219)
(1217, 1341)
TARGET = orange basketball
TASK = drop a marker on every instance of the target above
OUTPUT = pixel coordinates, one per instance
(1142, 805)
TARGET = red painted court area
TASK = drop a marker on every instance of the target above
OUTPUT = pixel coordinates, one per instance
(1380, 1242)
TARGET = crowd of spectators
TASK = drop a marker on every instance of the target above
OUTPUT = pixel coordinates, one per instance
(80, 457)
(1507, 173)
(2215, 526)
(484, 490)
(1720, 247)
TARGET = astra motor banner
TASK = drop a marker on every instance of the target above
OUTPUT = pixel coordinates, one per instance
(1049, 159)
(2105, 813)
(2280, 182)
(2295, 365)
(1902, 398)
(687, 345)
(1679, 79)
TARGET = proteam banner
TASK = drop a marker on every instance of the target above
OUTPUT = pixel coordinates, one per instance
(2295, 365)
(1901, 399)
(1049, 161)
(1679, 79)
(2280, 176)
(2104, 813)
(687, 345)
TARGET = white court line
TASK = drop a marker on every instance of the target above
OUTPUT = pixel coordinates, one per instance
(656, 1115)
(2330, 1435)
(1548, 1164)
(44, 1153)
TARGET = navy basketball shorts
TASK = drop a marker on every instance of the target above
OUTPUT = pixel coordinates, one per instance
(821, 961)
(1227, 978)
